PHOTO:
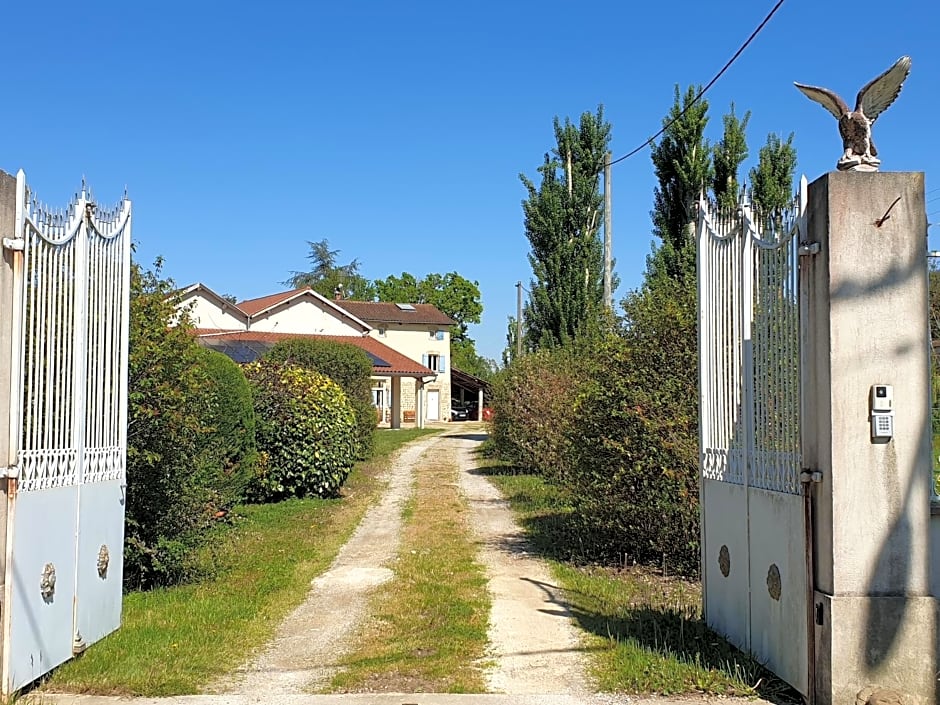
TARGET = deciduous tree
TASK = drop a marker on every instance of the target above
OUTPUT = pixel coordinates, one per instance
(682, 163)
(563, 216)
(729, 153)
(772, 178)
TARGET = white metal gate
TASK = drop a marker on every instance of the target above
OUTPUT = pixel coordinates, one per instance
(754, 528)
(68, 429)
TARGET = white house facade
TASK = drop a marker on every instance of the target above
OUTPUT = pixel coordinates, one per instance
(409, 344)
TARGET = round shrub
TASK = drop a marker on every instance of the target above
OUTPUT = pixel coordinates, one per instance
(305, 432)
(345, 364)
(228, 452)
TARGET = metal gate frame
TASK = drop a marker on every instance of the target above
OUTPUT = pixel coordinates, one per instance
(756, 534)
(66, 312)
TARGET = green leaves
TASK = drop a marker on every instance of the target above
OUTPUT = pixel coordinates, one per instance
(563, 216)
(772, 178)
(306, 432)
(325, 275)
(346, 365)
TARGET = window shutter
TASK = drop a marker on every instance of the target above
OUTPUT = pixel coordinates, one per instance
(424, 360)
(442, 364)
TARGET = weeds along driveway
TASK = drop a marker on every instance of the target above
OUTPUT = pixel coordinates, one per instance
(303, 655)
(533, 645)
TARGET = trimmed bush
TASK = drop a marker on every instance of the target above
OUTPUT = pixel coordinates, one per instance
(634, 470)
(345, 364)
(228, 454)
(168, 510)
(533, 410)
(306, 432)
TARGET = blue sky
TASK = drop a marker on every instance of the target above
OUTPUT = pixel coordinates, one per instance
(397, 130)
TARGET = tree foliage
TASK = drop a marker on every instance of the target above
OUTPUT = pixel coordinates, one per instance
(190, 439)
(325, 276)
(682, 163)
(305, 430)
(729, 152)
(346, 365)
(563, 215)
(228, 452)
(772, 178)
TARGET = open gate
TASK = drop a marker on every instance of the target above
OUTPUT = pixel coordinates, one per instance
(66, 315)
(755, 533)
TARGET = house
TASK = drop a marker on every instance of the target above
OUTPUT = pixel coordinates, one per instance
(409, 345)
(420, 332)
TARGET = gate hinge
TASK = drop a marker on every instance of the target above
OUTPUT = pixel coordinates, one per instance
(10, 471)
(14, 243)
(808, 475)
(809, 248)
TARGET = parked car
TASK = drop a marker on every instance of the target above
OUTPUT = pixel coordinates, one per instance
(458, 412)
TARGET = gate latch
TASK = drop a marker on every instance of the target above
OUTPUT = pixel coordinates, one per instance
(809, 248)
(808, 475)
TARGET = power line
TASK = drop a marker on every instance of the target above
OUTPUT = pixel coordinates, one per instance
(705, 89)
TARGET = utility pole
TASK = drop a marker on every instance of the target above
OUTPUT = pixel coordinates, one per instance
(608, 217)
(518, 319)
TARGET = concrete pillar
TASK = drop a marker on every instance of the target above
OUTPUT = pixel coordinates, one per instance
(396, 402)
(480, 405)
(419, 403)
(8, 199)
(865, 323)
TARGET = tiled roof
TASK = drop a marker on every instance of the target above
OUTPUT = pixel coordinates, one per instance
(384, 312)
(247, 345)
(253, 306)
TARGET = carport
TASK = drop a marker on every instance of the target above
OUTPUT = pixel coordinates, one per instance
(465, 387)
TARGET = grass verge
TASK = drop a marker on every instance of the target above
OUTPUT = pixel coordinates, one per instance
(179, 640)
(646, 632)
(429, 630)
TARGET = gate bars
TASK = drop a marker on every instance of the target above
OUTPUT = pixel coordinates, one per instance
(749, 345)
(74, 318)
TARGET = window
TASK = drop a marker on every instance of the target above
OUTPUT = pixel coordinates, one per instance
(382, 332)
(378, 398)
(439, 335)
(436, 362)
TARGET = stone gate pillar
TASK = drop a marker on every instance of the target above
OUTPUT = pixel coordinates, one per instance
(865, 324)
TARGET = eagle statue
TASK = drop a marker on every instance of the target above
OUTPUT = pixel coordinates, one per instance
(855, 125)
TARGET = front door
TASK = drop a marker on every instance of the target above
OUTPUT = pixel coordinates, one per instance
(434, 405)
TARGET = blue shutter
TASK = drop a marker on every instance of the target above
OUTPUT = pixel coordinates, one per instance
(442, 364)
(424, 360)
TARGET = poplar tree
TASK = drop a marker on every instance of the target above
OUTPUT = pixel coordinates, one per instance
(729, 153)
(563, 216)
(772, 178)
(683, 167)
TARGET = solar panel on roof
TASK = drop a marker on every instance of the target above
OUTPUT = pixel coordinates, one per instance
(376, 360)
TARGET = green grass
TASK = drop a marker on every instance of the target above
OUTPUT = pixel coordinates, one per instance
(646, 632)
(428, 634)
(179, 640)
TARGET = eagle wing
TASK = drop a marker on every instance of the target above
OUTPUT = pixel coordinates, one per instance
(881, 92)
(826, 98)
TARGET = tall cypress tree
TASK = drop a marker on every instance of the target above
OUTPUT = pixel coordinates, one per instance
(563, 215)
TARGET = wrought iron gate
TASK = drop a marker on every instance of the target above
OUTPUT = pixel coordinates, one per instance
(754, 531)
(68, 430)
